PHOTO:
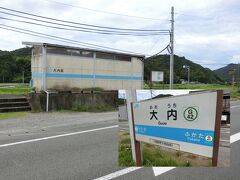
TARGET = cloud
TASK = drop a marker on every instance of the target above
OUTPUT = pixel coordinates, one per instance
(205, 31)
(235, 59)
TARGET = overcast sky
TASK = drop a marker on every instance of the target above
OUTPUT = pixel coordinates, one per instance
(206, 31)
(149, 94)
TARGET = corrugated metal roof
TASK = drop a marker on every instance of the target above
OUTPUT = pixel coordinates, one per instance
(79, 48)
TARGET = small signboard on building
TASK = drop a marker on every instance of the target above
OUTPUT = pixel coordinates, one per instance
(186, 122)
(157, 76)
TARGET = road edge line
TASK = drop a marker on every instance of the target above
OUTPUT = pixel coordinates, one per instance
(57, 136)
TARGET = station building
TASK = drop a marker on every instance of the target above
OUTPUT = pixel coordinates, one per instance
(64, 67)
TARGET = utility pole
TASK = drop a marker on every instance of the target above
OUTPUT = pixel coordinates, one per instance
(172, 50)
(238, 78)
(188, 68)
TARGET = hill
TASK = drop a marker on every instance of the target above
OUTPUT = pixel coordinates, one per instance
(197, 72)
(15, 64)
(224, 71)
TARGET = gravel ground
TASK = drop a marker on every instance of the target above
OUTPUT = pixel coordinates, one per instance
(41, 121)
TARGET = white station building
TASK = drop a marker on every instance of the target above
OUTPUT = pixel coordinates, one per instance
(63, 67)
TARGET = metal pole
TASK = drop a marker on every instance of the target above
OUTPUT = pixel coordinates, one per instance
(238, 78)
(47, 101)
(137, 144)
(217, 127)
(131, 97)
(188, 74)
(172, 50)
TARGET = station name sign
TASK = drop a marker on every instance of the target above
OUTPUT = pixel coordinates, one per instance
(185, 123)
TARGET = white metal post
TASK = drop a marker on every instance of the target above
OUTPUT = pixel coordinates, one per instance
(47, 101)
(171, 74)
(131, 97)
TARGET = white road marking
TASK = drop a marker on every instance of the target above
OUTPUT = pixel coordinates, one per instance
(225, 132)
(160, 170)
(224, 140)
(235, 137)
(236, 106)
(157, 170)
(57, 136)
(118, 173)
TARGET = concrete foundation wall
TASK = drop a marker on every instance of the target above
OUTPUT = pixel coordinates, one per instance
(66, 101)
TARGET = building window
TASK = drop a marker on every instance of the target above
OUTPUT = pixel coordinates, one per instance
(122, 58)
(58, 51)
(101, 55)
(86, 54)
(70, 52)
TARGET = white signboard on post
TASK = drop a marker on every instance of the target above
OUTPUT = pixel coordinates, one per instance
(157, 76)
(185, 123)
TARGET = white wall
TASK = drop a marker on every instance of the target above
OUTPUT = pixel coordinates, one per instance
(106, 72)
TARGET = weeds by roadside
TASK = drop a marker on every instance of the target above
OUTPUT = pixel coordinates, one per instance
(12, 115)
(93, 108)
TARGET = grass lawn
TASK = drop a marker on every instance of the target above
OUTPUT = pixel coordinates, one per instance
(12, 115)
(154, 156)
(15, 90)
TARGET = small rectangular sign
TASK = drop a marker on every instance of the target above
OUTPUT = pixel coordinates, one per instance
(157, 76)
(185, 123)
(165, 144)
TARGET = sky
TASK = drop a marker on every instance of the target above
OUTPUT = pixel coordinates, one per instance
(149, 94)
(206, 31)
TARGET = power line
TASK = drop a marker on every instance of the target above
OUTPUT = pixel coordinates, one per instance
(82, 24)
(82, 28)
(34, 33)
(158, 53)
(88, 31)
(105, 12)
(22, 32)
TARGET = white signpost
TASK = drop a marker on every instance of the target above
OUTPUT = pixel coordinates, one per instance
(189, 123)
(157, 76)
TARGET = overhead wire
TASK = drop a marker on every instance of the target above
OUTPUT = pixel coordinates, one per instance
(83, 28)
(82, 24)
(25, 31)
(87, 31)
(77, 27)
(45, 37)
(106, 12)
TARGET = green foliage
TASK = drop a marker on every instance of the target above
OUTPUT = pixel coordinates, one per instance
(152, 156)
(225, 72)
(125, 154)
(197, 72)
(13, 64)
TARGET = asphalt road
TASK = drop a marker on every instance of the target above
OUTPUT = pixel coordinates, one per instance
(79, 149)
(85, 155)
